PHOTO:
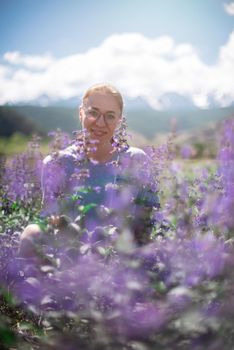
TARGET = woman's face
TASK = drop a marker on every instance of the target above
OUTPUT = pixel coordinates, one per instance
(100, 115)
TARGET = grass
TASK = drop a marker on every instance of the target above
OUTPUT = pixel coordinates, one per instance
(17, 144)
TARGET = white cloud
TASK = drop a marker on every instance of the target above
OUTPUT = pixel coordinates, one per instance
(31, 62)
(229, 8)
(137, 65)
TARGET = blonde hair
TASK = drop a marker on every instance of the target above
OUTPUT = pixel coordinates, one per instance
(102, 87)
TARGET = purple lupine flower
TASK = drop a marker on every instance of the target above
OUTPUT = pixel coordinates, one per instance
(21, 179)
(187, 152)
(60, 140)
(223, 202)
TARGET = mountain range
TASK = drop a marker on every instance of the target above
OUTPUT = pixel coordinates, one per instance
(145, 121)
(45, 115)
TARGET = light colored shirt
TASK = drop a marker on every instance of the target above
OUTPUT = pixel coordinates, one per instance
(119, 184)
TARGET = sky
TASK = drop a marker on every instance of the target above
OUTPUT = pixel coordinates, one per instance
(152, 49)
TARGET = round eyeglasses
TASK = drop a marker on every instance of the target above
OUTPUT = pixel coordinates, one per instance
(95, 114)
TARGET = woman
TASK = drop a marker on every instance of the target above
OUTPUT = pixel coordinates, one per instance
(99, 172)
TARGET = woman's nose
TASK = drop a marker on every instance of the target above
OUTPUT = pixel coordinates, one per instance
(101, 120)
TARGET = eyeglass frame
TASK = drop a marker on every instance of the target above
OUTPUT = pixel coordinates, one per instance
(86, 110)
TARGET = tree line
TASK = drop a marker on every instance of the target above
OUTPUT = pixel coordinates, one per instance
(12, 121)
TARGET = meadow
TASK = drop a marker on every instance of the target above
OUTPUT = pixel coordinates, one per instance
(103, 291)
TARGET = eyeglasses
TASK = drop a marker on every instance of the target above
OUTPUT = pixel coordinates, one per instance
(94, 114)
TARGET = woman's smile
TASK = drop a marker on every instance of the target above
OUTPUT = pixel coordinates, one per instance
(98, 132)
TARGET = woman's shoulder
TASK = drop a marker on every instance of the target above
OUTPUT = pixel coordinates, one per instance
(65, 155)
(135, 151)
(134, 154)
(133, 160)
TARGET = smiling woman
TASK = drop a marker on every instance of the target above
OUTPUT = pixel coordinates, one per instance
(100, 114)
(99, 172)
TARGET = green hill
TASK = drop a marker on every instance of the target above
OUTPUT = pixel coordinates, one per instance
(12, 121)
(146, 122)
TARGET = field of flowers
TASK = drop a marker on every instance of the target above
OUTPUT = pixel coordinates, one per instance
(176, 292)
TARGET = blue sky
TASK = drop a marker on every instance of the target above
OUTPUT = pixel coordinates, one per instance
(73, 31)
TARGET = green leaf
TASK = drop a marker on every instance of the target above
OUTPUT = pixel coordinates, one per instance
(41, 222)
(7, 336)
(15, 205)
(85, 190)
(76, 197)
(85, 208)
